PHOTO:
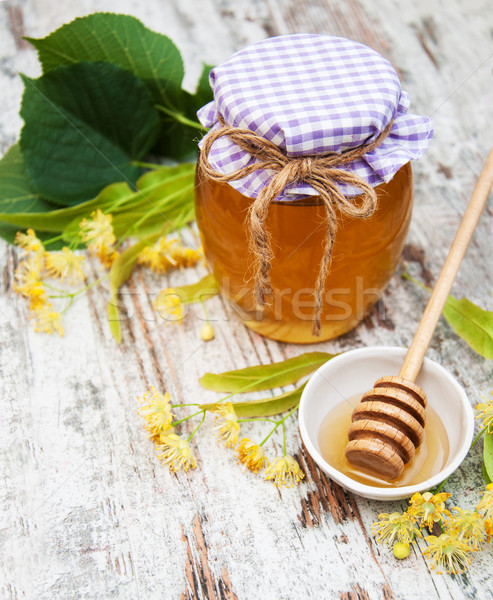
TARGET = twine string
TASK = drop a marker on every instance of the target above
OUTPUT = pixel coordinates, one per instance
(322, 172)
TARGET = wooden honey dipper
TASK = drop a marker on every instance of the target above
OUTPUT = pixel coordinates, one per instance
(388, 425)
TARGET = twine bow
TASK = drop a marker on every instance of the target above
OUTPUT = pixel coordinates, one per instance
(322, 172)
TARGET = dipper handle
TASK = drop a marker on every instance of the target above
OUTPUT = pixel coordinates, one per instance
(443, 285)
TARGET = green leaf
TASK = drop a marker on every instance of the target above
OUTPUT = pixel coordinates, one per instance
(488, 455)
(114, 319)
(471, 323)
(265, 377)
(126, 42)
(119, 39)
(123, 266)
(57, 220)
(16, 195)
(203, 93)
(181, 138)
(120, 272)
(485, 475)
(197, 292)
(84, 125)
(267, 407)
(164, 199)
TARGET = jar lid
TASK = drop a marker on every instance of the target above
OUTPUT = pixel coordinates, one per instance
(312, 95)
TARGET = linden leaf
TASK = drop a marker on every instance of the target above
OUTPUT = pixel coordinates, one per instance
(471, 323)
(198, 292)
(17, 196)
(123, 40)
(120, 272)
(123, 266)
(487, 480)
(163, 200)
(181, 135)
(266, 407)
(265, 377)
(119, 39)
(488, 455)
(85, 124)
(164, 197)
(114, 319)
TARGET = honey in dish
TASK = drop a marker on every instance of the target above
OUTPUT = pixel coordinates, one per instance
(430, 456)
(365, 255)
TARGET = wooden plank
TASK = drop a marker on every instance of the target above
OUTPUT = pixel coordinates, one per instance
(86, 510)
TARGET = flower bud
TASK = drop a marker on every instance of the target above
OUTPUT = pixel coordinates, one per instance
(401, 550)
(207, 332)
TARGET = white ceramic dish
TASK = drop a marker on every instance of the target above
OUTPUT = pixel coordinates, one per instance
(355, 372)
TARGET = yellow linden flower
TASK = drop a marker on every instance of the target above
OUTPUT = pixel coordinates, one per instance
(176, 453)
(448, 553)
(156, 410)
(395, 527)
(48, 320)
(428, 508)
(186, 257)
(166, 254)
(159, 257)
(29, 284)
(97, 232)
(107, 256)
(65, 265)
(29, 242)
(485, 413)
(468, 526)
(169, 305)
(284, 471)
(488, 527)
(485, 506)
(252, 455)
(228, 425)
(37, 298)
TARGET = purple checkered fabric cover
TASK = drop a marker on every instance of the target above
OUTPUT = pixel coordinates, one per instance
(313, 94)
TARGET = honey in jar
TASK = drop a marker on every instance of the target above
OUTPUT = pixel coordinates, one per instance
(365, 255)
(301, 127)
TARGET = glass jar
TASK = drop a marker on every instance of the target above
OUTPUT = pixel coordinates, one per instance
(364, 257)
(299, 125)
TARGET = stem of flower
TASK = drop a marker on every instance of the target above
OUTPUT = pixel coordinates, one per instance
(197, 428)
(175, 423)
(68, 305)
(72, 295)
(256, 419)
(179, 117)
(205, 311)
(156, 209)
(91, 285)
(146, 165)
(406, 275)
(281, 422)
(52, 240)
(246, 387)
(55, 289)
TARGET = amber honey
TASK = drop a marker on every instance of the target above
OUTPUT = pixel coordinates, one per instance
(365, 255)
(431, 456)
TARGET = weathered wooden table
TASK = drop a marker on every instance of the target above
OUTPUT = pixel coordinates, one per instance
(86, 510)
